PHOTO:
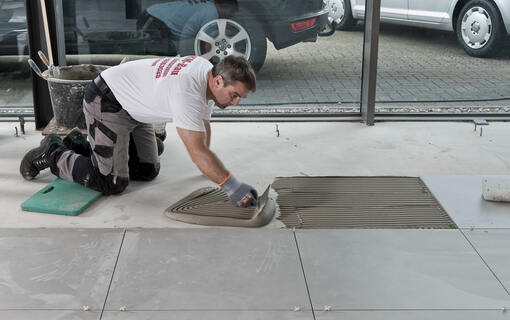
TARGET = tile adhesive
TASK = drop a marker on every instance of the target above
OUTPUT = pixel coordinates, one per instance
(323, 202)
(359, 202)
(210, 206)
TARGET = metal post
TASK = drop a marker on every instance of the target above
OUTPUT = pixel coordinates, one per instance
(60, 33)
(42, 105)
(370, 50)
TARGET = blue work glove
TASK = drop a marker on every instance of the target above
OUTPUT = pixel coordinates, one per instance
(241, 194)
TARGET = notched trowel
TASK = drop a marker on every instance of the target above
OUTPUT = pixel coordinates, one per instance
(211, 207)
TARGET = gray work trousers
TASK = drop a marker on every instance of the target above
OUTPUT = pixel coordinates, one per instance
(110, 128)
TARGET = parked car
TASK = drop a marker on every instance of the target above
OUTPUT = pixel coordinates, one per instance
(481, 25)
(244, 32)
(212, 35)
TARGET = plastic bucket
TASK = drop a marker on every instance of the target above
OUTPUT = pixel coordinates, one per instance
(67, 86)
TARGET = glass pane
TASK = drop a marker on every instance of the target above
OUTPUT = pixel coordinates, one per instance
(444, 56)
(298, 71)
(15, 76)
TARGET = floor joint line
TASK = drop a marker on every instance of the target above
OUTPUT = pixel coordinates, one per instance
(485, 262)
(113, 274)
(304, 275)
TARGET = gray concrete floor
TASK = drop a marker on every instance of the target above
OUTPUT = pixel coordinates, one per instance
(123, 259)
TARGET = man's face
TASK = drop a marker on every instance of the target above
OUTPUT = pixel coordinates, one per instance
(225, 96)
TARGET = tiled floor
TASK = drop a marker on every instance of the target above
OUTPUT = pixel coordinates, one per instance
(397, 270)
(253, 274)
(210, 269)
(493, 246)
(461, 197)
(415, 315)
(56, 269)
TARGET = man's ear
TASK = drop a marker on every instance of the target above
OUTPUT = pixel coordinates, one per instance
(218, 81)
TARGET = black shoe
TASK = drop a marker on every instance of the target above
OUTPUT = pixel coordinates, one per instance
(77, 142)
(37, 159)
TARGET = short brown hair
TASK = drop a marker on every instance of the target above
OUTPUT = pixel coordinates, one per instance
(234, 69)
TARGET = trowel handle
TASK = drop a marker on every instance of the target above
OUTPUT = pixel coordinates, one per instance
(44, 59)
(35, 68)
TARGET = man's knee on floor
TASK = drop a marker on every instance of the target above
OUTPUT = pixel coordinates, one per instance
(145, 172)
(89, 176)
(117, 184)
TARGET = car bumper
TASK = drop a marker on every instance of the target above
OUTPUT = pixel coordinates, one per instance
(283, 36)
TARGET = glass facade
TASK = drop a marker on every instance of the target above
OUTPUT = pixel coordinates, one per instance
(15, 76)
(299, 72)
(434, 57)
(443, 57)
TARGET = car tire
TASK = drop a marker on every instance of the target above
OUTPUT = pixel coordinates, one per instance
(220, 38)
(479, 28)
(158, 42)
(341, 14)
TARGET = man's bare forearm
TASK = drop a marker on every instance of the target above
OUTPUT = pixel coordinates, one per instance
(206, 161)
(207, 126)
(210, 165)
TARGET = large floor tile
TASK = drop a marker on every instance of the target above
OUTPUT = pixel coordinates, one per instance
(49, 315)
(415, 315)
(494, 246)
(212, 269)
(207, 315)
(396, 269)
(461, 197)
(56, 268)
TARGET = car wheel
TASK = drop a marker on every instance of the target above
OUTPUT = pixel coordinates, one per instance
(340, 14)
(479, 28)
(224, 37)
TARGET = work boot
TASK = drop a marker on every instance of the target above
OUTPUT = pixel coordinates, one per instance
(77, 142)
(38, 158)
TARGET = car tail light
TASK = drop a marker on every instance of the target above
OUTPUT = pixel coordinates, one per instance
(303, 25)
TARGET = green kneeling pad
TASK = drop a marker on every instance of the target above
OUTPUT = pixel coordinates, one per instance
(61, 197)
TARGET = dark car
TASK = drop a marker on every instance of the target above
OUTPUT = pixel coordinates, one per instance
(243, 31)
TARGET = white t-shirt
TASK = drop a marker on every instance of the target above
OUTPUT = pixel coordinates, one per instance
(163, 90)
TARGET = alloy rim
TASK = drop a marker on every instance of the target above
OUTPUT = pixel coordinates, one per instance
(476, 27)
(221, 38)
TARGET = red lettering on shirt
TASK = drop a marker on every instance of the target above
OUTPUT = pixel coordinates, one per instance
(189, 59)
(167, 69)
(182, 65)
(156, 62)
(161, 66)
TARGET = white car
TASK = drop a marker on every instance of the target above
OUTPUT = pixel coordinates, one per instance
(481, 25)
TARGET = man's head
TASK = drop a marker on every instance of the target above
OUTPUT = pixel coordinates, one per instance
(231, 79)
(226, 8)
